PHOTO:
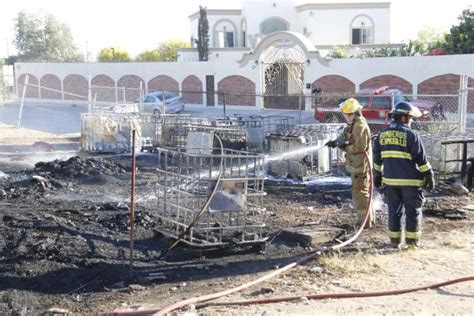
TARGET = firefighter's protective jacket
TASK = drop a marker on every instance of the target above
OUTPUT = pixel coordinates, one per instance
(358, 136)
(400, 156)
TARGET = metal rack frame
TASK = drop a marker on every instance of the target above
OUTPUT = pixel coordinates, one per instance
(186, 180)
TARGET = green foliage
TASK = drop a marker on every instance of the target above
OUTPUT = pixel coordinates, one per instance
(11, 60)
(203, 35)
(40, 37)
(113, 55)
(149, 56)
(166, 51)
(428, 39)
(338, 52)
(460, 40)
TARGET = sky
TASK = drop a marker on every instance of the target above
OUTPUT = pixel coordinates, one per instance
(96, 24)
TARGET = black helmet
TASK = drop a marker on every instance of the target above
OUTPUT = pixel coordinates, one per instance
(405, 108)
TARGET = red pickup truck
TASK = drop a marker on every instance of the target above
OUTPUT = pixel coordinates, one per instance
(377, 103)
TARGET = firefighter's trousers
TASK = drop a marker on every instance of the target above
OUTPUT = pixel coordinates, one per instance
(360, 196)
(408, 199)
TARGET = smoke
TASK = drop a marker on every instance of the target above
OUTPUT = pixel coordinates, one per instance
(29, 159)
(378, 203)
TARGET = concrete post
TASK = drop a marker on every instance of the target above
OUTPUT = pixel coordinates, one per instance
(462, 108)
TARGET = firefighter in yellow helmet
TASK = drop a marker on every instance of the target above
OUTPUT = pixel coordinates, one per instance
(355, 141)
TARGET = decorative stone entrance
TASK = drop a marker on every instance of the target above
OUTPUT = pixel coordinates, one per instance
(283, 65)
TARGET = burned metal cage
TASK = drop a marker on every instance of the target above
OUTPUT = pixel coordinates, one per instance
(225, 186)
(109, 131)
(444, 156)
(257, 127)
(300, 154)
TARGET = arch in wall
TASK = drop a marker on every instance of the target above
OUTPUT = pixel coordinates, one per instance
(388, 80)
(219, 28)
(362, 22)
(334, 84)
(75, 87)
(274, 24)
(31, 91)
(447, 84)
(298, 39)
(441, 84)
(103, 87)
(50, 81)
(192, 90)
(130, 85)
(163, 82)
(241, 91)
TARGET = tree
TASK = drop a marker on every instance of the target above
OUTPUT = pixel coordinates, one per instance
(113, 55)
(460, 40)
(40, 37)
(166, 51)
(203, 35)
(429, 38)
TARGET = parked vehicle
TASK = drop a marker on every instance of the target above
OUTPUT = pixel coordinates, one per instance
(377, 103)
(153, 102)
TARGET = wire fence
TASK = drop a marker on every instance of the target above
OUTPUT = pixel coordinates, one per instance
(441, 112)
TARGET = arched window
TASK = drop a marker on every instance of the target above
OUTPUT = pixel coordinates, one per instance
(362, 30)
(273, 24)
(225, 34)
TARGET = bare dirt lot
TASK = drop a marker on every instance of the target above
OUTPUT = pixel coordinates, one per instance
(64, 243)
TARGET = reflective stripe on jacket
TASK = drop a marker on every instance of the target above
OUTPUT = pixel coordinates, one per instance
(400, 156)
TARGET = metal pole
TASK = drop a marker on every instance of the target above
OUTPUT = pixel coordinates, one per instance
(94, 101)
(140, 97)
(132, 205)
(89, 93)
(225, 99)
(124, 98)
(163, 100)
(299, 109)
(22, 101)
(462, 103)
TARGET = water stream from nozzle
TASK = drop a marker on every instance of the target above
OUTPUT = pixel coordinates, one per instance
(293, 153)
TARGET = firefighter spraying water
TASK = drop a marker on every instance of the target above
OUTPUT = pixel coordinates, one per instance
(355, 141)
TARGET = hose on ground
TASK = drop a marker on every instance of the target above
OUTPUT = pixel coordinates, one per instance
(303, 260)
(279, 271)
(338, 295)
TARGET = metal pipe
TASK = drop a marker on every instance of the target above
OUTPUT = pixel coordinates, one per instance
(20, 113)
(132, 205)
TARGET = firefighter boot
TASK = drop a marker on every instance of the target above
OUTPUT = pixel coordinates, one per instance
(412, 243)
(395, 242)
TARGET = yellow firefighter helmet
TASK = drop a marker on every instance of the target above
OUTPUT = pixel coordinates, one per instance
(350, 106)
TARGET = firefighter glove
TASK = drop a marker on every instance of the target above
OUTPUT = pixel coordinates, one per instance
(331, 144)
(343, 145)
(429, 181)
(377, 179)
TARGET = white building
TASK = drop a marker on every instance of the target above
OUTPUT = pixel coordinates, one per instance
(266, 55)
(356, 25)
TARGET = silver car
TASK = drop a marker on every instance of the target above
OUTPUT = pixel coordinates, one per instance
(153, 102)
